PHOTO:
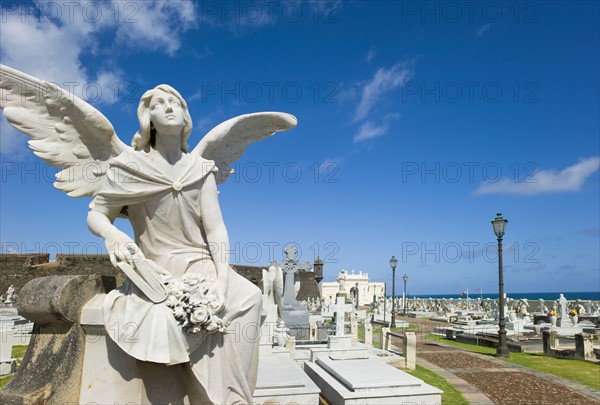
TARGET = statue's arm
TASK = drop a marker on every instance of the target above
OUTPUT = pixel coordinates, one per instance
(118, 244)
(216, 234)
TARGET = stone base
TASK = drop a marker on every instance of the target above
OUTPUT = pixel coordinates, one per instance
(339, 342)
(420, 314)
(303, 334)
(8, 366)
(567, 330)
(131, 381)
(281, 381)
(368, 381)
(295, 317)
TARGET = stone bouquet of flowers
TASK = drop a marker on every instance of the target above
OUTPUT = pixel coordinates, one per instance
(192, 304)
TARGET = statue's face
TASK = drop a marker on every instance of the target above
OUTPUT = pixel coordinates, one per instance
(165, 111)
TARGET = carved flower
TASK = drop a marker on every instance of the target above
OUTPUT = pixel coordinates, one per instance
(172, 301)
(179, 312)
(200, 316)
(178, 294)
(191, 279)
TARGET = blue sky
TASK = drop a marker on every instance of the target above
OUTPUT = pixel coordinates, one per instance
(418, 121)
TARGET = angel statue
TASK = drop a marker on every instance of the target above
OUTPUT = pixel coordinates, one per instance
(180, 291)
(273, 286)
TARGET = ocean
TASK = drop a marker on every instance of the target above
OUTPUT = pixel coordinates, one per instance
(531, 296)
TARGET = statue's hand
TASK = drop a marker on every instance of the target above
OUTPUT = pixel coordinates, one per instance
(121, 247)
(219, 291)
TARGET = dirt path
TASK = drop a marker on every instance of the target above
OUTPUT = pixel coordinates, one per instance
(484, 379)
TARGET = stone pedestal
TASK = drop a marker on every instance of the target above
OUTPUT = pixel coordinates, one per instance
(269, 323)
(8, 365)
(339, 342)
(368, 333)
(281, 381)
(53, 365)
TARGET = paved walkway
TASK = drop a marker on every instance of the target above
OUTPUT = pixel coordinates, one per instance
(485, 379)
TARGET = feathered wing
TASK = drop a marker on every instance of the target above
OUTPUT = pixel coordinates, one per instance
(226, 142)
(66, 132)
(267, 282)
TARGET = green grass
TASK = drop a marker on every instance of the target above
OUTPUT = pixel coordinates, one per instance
(18, 352)
(464, 346)
(450, 394)
(580, 371)
(4, 380)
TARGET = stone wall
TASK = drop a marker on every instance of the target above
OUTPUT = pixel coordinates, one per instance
(18, 269)
(309, 287)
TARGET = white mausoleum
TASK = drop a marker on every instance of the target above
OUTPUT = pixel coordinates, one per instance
(356, 286)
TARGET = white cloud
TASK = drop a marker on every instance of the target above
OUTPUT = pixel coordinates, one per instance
(48, 41)
(208, 121)
(330, 165)
(570, 179)
(369, 130)
(12, 142)
(371, 54)
(483, 29)
(157, 25)
(383, 82)
(51, 44)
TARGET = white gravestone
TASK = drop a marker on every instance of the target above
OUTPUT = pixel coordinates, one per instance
(340, 340)
(368, 332)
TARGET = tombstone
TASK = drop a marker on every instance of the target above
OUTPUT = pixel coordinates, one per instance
(291, 346)
(281, 334)
(354, 329)
(293, 313)
(368, 333)
(8, 364)
(340, 340)
(410, 350)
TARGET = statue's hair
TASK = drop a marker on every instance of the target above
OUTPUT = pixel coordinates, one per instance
(146, 136)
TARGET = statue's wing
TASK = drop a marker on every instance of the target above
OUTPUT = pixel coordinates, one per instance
(267, 282)
(226, 142)
(66, 132)
(278, 289)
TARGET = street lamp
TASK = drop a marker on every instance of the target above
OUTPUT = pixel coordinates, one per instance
(499, 224)
(393, 263)
(405, 278)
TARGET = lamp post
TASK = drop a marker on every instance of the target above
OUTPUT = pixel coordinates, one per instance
(499, 224)
(393, 263)
(405, 278)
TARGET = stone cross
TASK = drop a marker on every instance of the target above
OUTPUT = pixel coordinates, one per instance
(340, 309)
(290, 268)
